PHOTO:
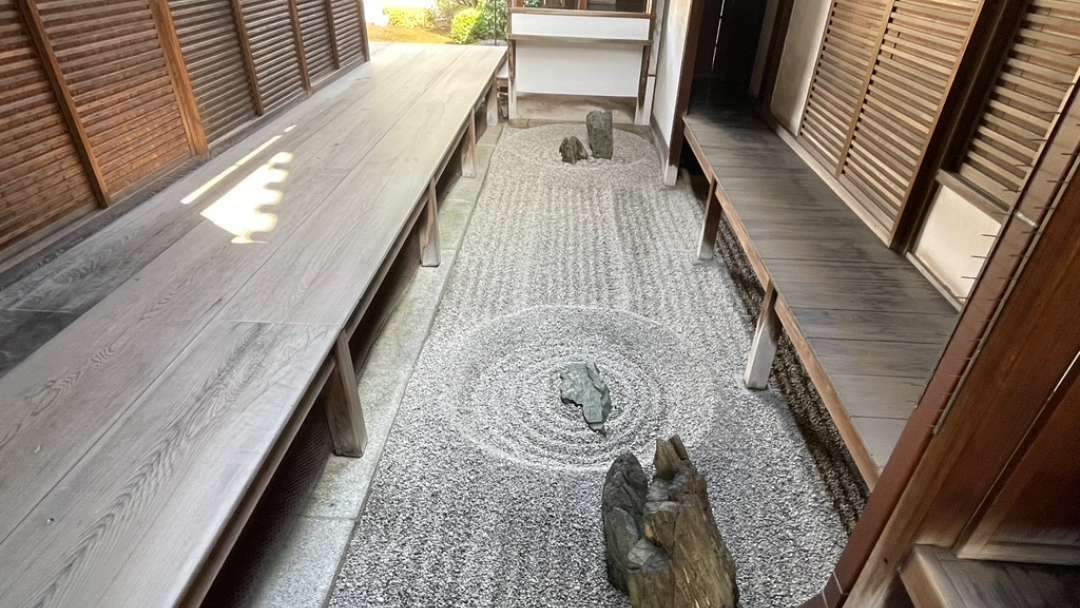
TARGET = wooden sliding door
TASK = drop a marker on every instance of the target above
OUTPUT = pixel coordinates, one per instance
(1035, 79)
(111, 60)
(43, 180)
(881, 80)
(317, 37)
(208, 39)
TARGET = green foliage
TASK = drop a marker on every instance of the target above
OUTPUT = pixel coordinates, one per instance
(464, 29)
(446, 9)
(409, 17)
(493, 19)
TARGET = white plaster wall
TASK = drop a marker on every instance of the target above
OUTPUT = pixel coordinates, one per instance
(952, 243)
(569, 26)
(669, 65)
(763, 46)
(557, 68)
(807, 26)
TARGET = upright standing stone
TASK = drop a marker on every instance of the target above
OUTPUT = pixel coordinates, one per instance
(601, 137)
(680, 560)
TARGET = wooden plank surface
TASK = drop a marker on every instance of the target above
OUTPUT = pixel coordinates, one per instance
(95, 398)
(874, 326)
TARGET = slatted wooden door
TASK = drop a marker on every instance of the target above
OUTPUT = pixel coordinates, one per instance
(274, 53)
(42, 179)
(878, 91)
(214, 59)
(317, 37)
(1031, 88)
(348, 29)
(110, 56)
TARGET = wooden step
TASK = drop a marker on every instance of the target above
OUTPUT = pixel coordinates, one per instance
(935, 578)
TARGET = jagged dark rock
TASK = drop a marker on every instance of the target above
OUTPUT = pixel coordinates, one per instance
(622, 509)
(572, 150)
(581, 385)
(601, 135)
(680, 560)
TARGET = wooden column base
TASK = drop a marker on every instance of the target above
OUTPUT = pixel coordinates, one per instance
(763, 349)
(343, 410)
(492, 108)
(710, 225)
(468, 152)
(429, 230)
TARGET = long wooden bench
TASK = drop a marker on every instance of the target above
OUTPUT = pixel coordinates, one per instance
(135, 443)
(867, 326)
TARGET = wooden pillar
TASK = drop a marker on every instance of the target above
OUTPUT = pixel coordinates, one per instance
(36, 28)
(332, 32)
(343, 410)
(766, 337)
(294, 17)
(245, 51)
(429, 229)
(181, 80)
(363, 29)
(711, 223)
(468, 148)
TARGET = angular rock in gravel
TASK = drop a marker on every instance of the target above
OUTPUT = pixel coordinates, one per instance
(581, 385)
(681, 560)
(622, 506)
(601, 137)
(572, 150)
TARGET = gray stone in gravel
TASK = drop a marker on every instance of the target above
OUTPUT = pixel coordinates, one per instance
(601, 135)
(622, 506)
(582, 386)
(572, 150)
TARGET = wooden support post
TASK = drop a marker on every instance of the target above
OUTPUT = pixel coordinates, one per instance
(294, 17)
(468, 148)
(245, 51)
(332, 32)
(710, 225)
(363, 29)
(181, 79)
(343, 411)
(429, 229)
(493, 104)
(763, 349)
(36, 28)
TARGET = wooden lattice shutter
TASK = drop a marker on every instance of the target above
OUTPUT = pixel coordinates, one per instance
(215, 63)
(851, 40)
(273, 51)
(347, 29)
(111, 59)
(42, 179)
(314, 18)
(1033, 83)
(920, 50)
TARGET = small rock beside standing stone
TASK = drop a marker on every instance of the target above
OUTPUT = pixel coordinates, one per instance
(601, 134)
(679, 560)
(572, 150)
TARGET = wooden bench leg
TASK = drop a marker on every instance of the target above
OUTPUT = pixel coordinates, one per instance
(429, 229)
(468, 153)
(493, 105)
(710, 225)
(763, 349)
(343, 411)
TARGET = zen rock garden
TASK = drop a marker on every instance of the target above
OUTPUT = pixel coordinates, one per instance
(582, 386)
(663, 548)
(599, 126)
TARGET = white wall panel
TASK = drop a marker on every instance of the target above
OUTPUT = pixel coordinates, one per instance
(557, 68)
(571, 26)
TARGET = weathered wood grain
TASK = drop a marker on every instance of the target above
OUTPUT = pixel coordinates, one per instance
(868, 326)
(130, 523)
(78, 403)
